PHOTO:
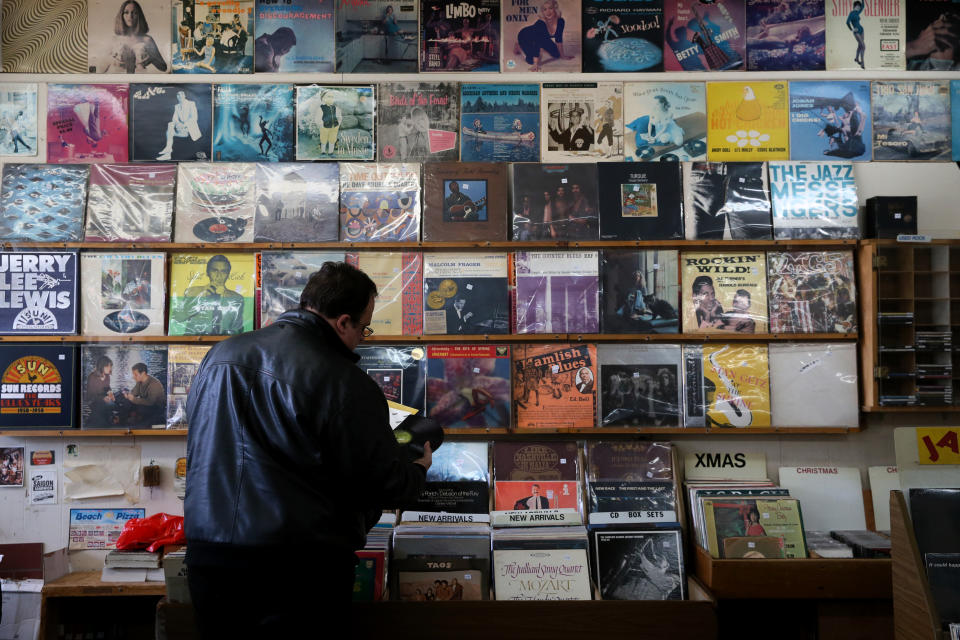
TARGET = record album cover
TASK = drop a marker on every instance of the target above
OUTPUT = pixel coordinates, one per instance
(87, 123)
(500, 122)
(283, 275)
(955, 117)
(130, 203)
(724, 292)
(389, 28)
(295, 38)
(127, 36)
(43, 202)
(44, 37)
(554, 201)
(469, 385)
(554, 386)
(630, 476)
(665, 121)
(640, 565)
(297, 202)
(726, 385)
(211, 294)
(215, 202)
(543, 37)
(459, 36)
(727, 518)
(123, 293)
(18, 119)
(213, 36)
(814, 384)
(814, 200)
(398, 310)
(462, 578)
(931, 37)
(418, 122)
(705, 35)
(556, 292)
(626, 36)
(465, 294)
(640, 201)
(830, 119)
(124, 386)
(170, 122)
(786, 36)
(335, 123)
(582, 121)
(640, 385)
(38, 292)
(400, 372)
(379, 202)
(866, 35)
(183, 362)
(812, 292)
(727, 200)
(911, 120)
(640, 291)
(541, 573)
(458, 482)
(464, 201)
(749, 121)
(37, 386)
(535, 475)
(253, 122)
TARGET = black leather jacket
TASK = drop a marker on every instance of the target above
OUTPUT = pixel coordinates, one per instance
(289, 448)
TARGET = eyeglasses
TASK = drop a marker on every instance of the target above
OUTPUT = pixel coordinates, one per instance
(367, 332)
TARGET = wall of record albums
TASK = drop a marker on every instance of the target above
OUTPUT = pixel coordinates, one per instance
(302, 158)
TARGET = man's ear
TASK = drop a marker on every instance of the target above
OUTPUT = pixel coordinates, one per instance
(343, 322)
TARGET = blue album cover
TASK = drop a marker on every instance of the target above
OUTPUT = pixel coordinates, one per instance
(212, 36)
(294, 37)
(297, 202)
(830, 119)
(43, 202)
(500, 123)
(170, 122)
(911, 121)
(37, 386)
(38, 292)
(622, 36)
(253, 122)
(123, 386)
(955, 119)
(786, 36)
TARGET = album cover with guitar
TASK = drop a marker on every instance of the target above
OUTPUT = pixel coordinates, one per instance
(464, 201)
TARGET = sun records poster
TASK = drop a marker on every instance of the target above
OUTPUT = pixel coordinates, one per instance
(554, 386)
(748, 121)
(38, 292)
(36, 388)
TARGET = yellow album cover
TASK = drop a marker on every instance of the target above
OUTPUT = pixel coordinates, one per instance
(211, 293)
(724, 292)
(748, 121)
(739, 395)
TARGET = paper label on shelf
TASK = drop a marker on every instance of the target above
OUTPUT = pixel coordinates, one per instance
(537, 517)
(906, 237)
(632, 517)
(434, 516)
(938, 445)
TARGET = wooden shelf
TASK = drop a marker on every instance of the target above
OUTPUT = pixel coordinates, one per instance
(513, 337)
(810, 578)
(920, 409)
(93, 433)
(88, 584)
(433, 245)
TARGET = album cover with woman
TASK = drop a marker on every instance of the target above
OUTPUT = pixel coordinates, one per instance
(87, 123)
(378, 36)
(215, 202)
(640, 291)
(705, 35)
(786, 35)
(911, 121)
(866, 35)
(124, 386)
(830, 120)
(665, 121)
(542, 35)
(418, 121)
(212, 36)
(18, 119)
(128, 36)
(458, 36)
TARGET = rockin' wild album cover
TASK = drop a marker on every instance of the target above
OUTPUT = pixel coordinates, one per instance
(724, 292)
(418, 122)
(170, 122)
(253, 122)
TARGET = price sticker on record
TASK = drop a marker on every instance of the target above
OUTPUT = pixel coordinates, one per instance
(632, 517)
(938, 445)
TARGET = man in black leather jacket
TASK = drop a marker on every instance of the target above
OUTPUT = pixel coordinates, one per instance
(290, 461)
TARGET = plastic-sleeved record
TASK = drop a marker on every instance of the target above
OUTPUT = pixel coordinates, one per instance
(415, 431)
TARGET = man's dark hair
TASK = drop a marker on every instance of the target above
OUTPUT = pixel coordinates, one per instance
(699, 281)
(743, 293)
(215, 259)
(337, 289)
(139, 367)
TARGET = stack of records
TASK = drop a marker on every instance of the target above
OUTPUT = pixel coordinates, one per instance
(630, 483)
(538, 563)
(131, 560)
(536, 484)
(371, 574)
(821, 543)
(441, 562)
(933, 340)
(894, 317)
(865, 544)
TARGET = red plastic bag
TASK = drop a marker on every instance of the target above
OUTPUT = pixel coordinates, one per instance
(151, 533)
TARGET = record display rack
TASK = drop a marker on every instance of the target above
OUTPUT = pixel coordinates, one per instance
(909, 298)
